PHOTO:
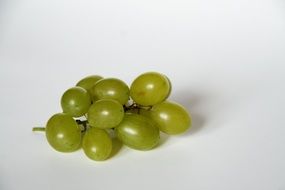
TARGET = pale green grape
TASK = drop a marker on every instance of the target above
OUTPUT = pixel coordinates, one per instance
(172, 118)
(88, 82)
(63, 133)
(105, 114)
(97, 144)
(75, 101)
(138, 132)
(170, 87)
(111, 88)
(150, 88)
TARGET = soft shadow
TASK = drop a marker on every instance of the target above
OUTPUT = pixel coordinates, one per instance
(162, 140)
(189, 99)
(198, 122)
(116, 146)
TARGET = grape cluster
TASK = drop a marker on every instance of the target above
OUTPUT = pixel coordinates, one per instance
(97, 105)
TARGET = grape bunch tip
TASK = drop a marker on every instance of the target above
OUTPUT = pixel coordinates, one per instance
(98, 110)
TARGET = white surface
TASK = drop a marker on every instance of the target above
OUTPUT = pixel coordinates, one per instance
(225, 59)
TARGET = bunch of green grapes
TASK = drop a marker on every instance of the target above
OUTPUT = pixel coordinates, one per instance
(98, 109)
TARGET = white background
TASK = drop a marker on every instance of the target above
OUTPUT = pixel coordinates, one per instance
(225, 59)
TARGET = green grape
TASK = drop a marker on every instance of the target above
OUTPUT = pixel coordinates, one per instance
(105, 114)
(138, 132)
(172, 118)
(75, 101)
(63, 133)
(111, 88)
(88, 82)
(97, 144)
(170, 87)
(150, 88)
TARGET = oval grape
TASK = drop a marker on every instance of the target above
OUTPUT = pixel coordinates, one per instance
(97, 144)
(105, 114)
(75, 101)
(172, 118)
(150, 88)
(138, 132)
(111, 88)
(88, 82)
(170, 87)
(63, 133)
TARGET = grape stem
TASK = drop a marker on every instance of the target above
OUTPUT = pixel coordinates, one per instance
(40, 129)
(132, 106)
(136, 107)
(83, 125)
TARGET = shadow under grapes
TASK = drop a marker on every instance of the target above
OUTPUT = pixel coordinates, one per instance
(116, 147)
(163, 138)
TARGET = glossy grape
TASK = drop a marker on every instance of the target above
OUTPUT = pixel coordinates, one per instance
(105, 114)
(138, 132)
(88, 82)
(111, 88)
(172, 118)
(97, 144)
(75, 101)
(63, 133)
(170, 87)
(150, 88)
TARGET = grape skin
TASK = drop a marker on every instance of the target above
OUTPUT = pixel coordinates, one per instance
(105, 114)
(172, 118)
(137, 132)
(88, 82)
(111, 88)
(150, 88)
(97, 144)
(75, 101)
(63, 133)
